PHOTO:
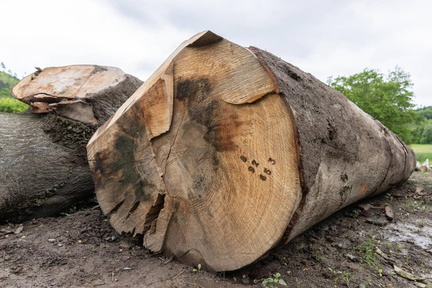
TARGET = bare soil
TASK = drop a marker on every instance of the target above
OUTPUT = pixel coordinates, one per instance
(363, 245)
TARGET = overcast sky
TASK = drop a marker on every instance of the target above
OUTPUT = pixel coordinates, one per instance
(322, 37)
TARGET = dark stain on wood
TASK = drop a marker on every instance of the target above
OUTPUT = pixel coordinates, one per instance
(344, 177)
(125, 163)
(99, 168)
(196, 94)
(199, 183)
(193, 90)
(344, 192)
(220, 137)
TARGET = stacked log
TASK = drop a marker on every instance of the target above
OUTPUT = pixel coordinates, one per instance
(43, 161)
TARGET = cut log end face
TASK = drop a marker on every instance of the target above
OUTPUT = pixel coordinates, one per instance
(56, 88)
(212, 177)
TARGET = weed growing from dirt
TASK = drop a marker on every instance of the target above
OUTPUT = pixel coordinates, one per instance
(274, 282)
(298, 282)
(342, 276)
(367, 251)
(197, 269)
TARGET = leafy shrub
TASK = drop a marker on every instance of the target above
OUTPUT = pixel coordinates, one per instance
(11, 105)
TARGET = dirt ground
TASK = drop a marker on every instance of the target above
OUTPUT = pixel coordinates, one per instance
(385, 241)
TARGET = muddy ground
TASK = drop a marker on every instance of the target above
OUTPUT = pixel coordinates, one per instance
(363, 245)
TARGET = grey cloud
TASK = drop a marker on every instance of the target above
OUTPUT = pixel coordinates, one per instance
(364, 31)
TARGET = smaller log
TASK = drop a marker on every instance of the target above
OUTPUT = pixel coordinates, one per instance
(85, 93)
(43, 163)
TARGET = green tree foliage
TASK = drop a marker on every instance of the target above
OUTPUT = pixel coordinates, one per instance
(7, 103)
(422, 132)
(426, 133)
(6, 83)
(387, 98)
(425, 112)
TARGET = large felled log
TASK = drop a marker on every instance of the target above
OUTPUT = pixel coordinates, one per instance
(43, 161)
(226, 153)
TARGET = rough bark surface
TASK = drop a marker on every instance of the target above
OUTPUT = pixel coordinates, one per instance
(227, 153)
(38, 176)
(43, 160)
(346, 154)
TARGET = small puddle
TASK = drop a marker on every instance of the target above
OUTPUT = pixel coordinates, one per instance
(419, 234)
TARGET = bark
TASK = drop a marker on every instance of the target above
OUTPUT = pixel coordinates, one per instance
(346, 154)
(227, 153)
(39, 177)
(43, 161)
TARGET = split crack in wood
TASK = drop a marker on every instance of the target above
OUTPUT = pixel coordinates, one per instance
(153, 214)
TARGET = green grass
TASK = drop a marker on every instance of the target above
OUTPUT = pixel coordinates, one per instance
(11, 105)
(422, 152)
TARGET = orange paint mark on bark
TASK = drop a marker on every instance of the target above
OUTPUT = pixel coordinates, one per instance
(362, 189)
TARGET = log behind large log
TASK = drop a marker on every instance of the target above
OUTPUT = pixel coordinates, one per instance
(226, 153)
(43, 163)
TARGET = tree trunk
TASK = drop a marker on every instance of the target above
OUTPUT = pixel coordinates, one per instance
(43, 161)
(226, 153)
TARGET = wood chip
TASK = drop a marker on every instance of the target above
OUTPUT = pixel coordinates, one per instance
(19, 229)
(377, 222)
(407, 275)
(419, 189)
(382, 254)
(6, 232)
(365, 207)
(389, 212)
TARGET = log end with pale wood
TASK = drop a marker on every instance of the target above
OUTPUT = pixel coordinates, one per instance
(85, 93)
(43, 160)
(227, 153)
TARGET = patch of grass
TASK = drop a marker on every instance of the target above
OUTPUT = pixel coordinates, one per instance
(342, 276)
(11, 105)
(417, 205)
(422, 152)
(367, 251)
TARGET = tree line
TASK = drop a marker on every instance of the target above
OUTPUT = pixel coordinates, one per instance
(422, 132)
